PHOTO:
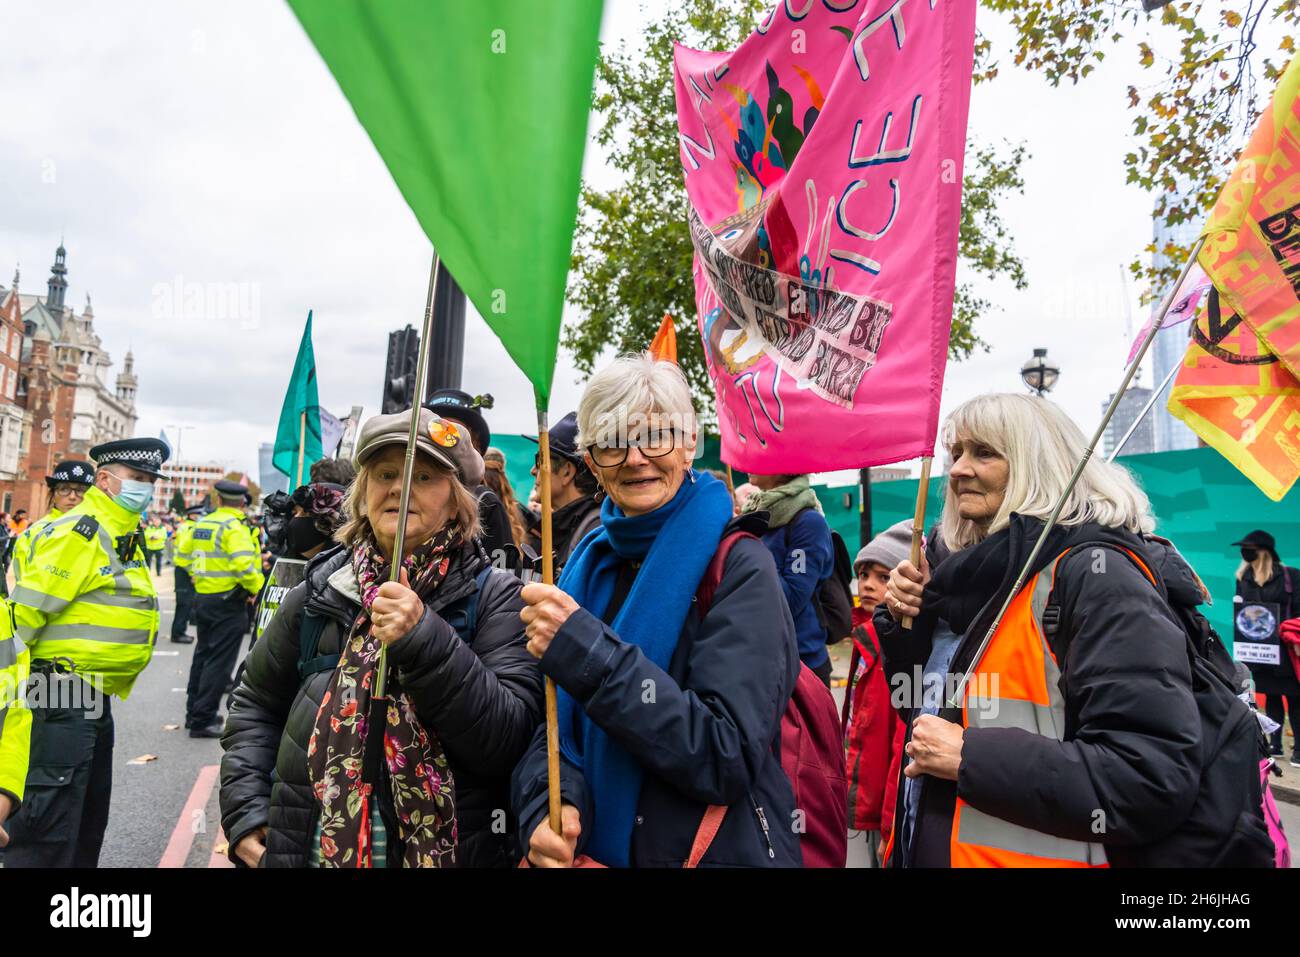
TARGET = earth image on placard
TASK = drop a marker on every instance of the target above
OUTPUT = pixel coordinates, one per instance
(1256, 622)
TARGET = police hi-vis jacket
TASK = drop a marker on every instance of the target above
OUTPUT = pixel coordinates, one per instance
(180, 553)
(86, 595)
(15, 718)
(27, 540)
(222, 554)
(155, 537)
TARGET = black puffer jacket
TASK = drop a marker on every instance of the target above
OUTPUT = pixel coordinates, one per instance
(483, 700)
(1132, 741)
(713, 734)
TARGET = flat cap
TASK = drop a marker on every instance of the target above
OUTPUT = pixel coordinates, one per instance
(446, 442)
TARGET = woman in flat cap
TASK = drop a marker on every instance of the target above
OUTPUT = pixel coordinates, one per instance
(463, 693)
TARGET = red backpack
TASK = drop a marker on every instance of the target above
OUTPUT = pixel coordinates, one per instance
(812, 746)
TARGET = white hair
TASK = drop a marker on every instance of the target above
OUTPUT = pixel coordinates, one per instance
(634, 386)
(1041, 446)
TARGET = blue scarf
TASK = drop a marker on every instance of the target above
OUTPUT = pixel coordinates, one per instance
(674, 544)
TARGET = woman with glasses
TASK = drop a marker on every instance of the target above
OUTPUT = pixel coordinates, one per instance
(671, 695)
(67, 486)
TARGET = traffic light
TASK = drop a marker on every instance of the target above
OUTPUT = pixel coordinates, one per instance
(399, 373)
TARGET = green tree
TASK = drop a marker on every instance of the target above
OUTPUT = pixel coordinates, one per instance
(632, 251)
(177, 503)
(1198, 96)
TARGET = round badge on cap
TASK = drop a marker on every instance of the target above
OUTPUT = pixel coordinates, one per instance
(444, 433)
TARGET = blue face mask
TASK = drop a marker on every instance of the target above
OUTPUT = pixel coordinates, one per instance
(134, 496)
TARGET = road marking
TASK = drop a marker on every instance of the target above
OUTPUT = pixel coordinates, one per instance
(182, 839)
(165, 654)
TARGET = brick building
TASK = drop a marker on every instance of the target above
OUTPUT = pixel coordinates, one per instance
(60, 404)
(194, 480)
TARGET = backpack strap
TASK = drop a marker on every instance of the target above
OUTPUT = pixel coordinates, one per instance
(708, 830)
(462, 614)
(309, 632)
(713, 573)
(1050, 616)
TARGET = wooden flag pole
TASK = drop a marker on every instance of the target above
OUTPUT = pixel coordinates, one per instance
(408, 470)
(302, 443)
(548, 577)
(918, 521)
(731, 481)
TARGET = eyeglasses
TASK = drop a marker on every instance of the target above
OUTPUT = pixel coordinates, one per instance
(652, 445)
(69, 488)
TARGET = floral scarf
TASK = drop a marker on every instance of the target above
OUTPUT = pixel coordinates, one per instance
(419, 775)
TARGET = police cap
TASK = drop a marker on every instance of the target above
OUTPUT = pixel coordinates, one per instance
(143, 455)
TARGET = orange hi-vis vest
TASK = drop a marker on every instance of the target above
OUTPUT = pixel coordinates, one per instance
(1016, 684)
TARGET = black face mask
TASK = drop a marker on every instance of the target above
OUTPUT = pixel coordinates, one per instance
(303, 535)
(1249, 554)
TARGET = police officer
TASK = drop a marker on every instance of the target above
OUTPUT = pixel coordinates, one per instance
(181, 576)
(155, 540)
(87, 611)
(225, 563)
(67, 486)
(15, 721)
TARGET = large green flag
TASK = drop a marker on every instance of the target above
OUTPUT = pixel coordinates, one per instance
(480, 112)
(299, 400)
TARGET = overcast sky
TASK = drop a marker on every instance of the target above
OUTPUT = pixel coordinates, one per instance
(187, 151)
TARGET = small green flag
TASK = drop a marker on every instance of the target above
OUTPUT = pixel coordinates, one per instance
(479, 111)
(300, 398)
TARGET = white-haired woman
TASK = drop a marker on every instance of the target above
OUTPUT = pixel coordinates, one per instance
(669, 705)
(1077, 740)
(313, 775)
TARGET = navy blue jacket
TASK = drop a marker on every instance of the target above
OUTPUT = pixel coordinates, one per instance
(805, 556)
(712, 734)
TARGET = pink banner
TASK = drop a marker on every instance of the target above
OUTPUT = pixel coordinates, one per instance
(1187, 300)
(823, 163)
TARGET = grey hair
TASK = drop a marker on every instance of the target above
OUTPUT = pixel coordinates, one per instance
(1041, 445)
(634, 385)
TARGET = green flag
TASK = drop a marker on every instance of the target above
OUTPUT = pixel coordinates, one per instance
(299, 399)
(479, 111)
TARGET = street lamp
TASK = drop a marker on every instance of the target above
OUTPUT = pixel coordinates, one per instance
(1039, 374)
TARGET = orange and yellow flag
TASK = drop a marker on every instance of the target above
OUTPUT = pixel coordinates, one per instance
(1237, 395)
(1239, 387)
(664, 345)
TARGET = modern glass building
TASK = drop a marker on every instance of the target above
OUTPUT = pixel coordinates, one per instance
(268, 477)
(1167, 351)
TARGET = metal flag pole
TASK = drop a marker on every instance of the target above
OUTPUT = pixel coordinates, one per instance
(1143, 414)
(960, 691)
(548, 577)
(408, 470)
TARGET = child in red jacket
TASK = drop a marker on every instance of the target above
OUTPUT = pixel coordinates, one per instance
(873, 732)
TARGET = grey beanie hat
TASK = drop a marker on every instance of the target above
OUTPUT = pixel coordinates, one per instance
(890, 547)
